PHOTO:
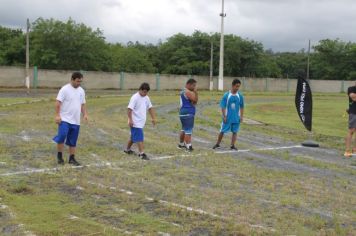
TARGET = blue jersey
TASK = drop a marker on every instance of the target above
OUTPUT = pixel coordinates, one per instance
(232, 103)
(186, 106)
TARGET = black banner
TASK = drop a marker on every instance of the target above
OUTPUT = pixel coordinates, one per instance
(304, 103)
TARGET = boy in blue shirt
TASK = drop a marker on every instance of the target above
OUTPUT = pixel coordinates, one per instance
(232, 108)
(188, 101)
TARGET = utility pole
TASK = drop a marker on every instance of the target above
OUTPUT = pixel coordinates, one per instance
(27, 80)
(221, 61)
(211, 66)
(308, 66)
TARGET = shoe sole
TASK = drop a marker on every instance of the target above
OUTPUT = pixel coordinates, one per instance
(74, 164)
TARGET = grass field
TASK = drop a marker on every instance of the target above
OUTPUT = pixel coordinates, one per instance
(272, 186)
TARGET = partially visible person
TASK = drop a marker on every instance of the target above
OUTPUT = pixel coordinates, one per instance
(137, 109)
(351, 92)
(188, 101)
(70, 104)
(232, 109)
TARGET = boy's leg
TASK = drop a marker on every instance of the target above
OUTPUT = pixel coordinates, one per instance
(348, 141)
(235, 127)
(233, 139)
(187, 139)
(137, 136)
(220, 137)
(140, 147)
(60, 147)
(225, 127)
(71, 141)
(181, 144)
(71, 151)
(181, 136)
(129, 144)
(63, 129)
(187, 130)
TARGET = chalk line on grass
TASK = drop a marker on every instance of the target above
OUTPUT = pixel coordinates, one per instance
(259, 149)
(177, 205)
(109, 164)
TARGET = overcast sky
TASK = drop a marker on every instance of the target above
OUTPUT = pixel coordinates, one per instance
(282, 25)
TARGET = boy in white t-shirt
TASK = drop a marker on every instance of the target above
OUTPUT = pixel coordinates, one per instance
(69, 106)
(137, 111)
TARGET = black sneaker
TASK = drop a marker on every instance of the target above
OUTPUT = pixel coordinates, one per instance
(60, 160)
(128, 151)
(216, 146)
(190, 149)
(143, 156)
(181, 146)
(73, 162)
(232, 147)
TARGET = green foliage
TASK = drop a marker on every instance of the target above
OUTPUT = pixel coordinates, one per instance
(334, 59)
(59, 45)
(12, 46)
(129, 59)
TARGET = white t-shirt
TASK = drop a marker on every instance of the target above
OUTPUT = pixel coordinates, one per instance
(139, 106)
(72, 100)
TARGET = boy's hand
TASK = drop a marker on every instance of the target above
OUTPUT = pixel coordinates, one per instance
(154, 122)
(225, 119)
(85, 117)
(130, 122)
(58, 119)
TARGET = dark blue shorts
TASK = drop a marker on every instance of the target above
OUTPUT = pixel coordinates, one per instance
(136, 135)
(68, 133)
(187, 121)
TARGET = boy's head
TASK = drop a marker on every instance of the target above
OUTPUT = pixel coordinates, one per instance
(235, 85)
(144, 88)
(191, 84)
(76, 79)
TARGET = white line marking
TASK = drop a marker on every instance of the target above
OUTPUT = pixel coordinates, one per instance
(109, 164)
(200, 211)
(187, 208)
(258, 149)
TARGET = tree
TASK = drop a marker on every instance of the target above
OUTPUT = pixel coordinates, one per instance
(129, 59)
(12, 46)
(59, 45)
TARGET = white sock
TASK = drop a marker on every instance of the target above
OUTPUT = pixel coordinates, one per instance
(188, 145)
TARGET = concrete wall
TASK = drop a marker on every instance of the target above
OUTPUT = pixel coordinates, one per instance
(12, 76)
(15, 77)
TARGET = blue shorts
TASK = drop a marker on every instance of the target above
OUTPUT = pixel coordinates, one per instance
(229, 127)
(67, 132)
(187, 121)
(137, 135)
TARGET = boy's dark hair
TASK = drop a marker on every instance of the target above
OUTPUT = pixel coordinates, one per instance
(145, 86)
(191, 81)
(236, 81)
(77, 75)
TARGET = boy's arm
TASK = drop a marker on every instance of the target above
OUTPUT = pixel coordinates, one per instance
(58, 109)
(242, 106)
(223, 107)
(129, 115)
(84, 112)
(192, 95)
(153, 116)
